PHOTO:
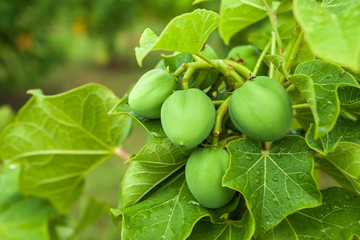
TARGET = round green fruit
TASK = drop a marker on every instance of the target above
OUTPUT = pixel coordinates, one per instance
(204, 172)
(187, 117)
(150, 92)
(261, 109)
(247, 55)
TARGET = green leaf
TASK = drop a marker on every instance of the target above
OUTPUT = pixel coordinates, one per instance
(199, 1)
(153, 164)
(346, 158)
(332, 29)
(7, 115)
(175, 60)
(91, 211)
(276, 182)
(345, 130)
(338, 218)
(238, 14)
(328, 168)
(21, 217)
(326, 78)
(59, 139)
(153, 126)
(279, 63)
(170, 213)
(349, 98)
(224, 230)
(185, 33)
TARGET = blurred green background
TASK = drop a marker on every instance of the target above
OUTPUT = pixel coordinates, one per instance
(60, 45)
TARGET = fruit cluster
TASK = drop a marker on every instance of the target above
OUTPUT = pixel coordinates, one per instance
(260, 109)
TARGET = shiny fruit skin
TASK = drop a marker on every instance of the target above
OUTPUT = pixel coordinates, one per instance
(204, 172)
(150, 92)
(188, 117)
(261, 109)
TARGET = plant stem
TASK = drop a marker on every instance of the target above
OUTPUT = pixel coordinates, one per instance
(122, 153)
(261, 58)
(225, 141)
(241, 69)
(218, 102)
(272, 17)
(215, 86)
(220, 112)
(200, 78)
(273, 46)
(303, 105)
(185, 81)
(290, 88)
(228, 71)
(292, 54)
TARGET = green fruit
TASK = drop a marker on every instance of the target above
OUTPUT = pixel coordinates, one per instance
(150, 92)
(204, 172)
(214, 73)
(248, 56)
(261, 109)
(187, 117)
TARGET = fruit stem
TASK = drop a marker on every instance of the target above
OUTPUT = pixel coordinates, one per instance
(215, 86)
(200, 78)
(294, 50)
(272, 17)
(220, 112)
(218, 102)
(241, 69)
(185, 81)
(122, 153)
(273, 47)
(303, 105)
(261, 58)
(228, 71)
(225, 141)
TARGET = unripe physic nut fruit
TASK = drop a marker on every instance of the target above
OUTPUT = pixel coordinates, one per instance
(247, 55)
(204, 172)
(150, 92)
(187, 117)
(261, 109)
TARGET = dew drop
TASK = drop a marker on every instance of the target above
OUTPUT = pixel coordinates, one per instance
(257, 180)
(275, 179)
(194, 203)
(258, 172)
(247, 157)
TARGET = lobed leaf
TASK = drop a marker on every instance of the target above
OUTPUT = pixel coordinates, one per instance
(331, 29)
(337, 218)
(153, 126)
(276, 182)
(326, 78)
(238, 14)
(21, 217)
(349, 98)
(345, 130)
(7, 115)
(170, 213)
(185, 33)
(152, 165)
(224, 230)
(59, 139)
(346, 158)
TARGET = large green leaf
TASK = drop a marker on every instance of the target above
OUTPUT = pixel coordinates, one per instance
(276, 182)
(224, 230)
(345, 130)
(346, 158)
(59, 139)
(332, 29)
(170, 213)
(350, 100)
(7, 115)
(238, 14)
(21, 217)
(153, 164)
(337, 218)
(326, 78)
(185, 33)
(153, 126)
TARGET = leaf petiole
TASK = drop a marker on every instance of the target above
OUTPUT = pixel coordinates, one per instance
(220, 113)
